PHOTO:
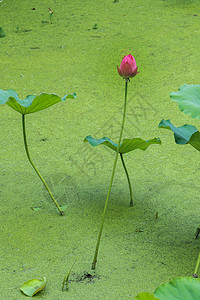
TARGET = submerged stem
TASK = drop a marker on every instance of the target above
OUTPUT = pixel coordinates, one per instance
(129, 182)
(36, 170)
(111, 181)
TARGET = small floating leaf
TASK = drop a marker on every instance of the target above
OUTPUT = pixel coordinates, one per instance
(36, 208)
(32, 103)
(188, 98)
(33, 286)
(63, 207)
(146, 296)
(126, 146)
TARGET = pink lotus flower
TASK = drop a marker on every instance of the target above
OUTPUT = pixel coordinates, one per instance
(128, 67)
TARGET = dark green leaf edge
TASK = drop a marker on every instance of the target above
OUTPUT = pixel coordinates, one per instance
(126, 146)
(31, 103)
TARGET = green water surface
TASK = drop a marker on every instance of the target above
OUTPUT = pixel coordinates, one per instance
(79, 53)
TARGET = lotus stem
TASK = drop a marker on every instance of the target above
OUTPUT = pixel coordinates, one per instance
(197, 267)
(129, 182)
(34, 167)
(111, 181)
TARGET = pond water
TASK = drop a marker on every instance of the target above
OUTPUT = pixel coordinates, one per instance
(77, 50)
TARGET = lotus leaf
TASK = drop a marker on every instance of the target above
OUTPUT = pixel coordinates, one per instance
(187, 288)
(33, 286)
(32, 103)
(126, 146)
(186, 134)
(188, 98)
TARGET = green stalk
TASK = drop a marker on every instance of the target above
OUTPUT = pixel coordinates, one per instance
(197, 267)
(129, 182)
(111, 181)
(34, 167)
(51, 14)
(65, 284)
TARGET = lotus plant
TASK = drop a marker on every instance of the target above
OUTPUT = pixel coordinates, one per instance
(27, 106)
(188, 98)
(128, 69)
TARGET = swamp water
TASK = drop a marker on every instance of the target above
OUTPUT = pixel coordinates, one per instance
(79, 52)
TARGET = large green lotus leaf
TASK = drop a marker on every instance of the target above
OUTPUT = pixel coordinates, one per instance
(146, 296)
(33, 286)
(127, 145)
(182, 134)
(188, 98)
(185, 288)
(32, 103)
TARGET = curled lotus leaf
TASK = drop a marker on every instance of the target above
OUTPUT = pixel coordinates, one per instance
(103, 141)
(31, 103)
(126, 146)
(188, 98)
(186, 134)
(33, 286)
(182, 134)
